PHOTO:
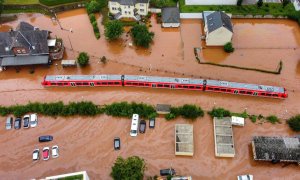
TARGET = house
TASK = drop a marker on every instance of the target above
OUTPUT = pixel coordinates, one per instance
(170, 17)
(128, 8)
(218, 28)
(76, 175)
(27, 45)
(297, 5)
(184, 143)
(210, 2)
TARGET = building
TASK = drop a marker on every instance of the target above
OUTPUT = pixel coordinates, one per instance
(297, 5)
(276, 149)
(237, 121)
(224, 145)
(210, 2)
(163, 108)
(128, 8)
(82, 175)
(218, 28)
(170, 17)
(27, 45)
(184, 144)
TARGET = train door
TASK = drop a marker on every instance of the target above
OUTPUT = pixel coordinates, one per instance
(255, 94)
(154, 85)
(235, 91)
(172, 86)
(92, 84)
(73, 84)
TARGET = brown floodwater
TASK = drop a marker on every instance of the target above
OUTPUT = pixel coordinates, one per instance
(88, 145)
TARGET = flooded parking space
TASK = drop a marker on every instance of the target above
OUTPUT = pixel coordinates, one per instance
(90, 139)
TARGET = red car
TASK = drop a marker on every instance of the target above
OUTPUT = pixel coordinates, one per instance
(46, 153)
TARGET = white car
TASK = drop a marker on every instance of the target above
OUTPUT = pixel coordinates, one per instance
(33, 120)
(36, 154)
(245, 177)
(46, 153)
(55, 151)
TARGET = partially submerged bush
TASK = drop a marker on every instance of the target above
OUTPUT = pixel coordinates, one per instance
(228, 47)
(83, 59)
(272, 119)
(294, 123)
(187, 111)
(219, 112)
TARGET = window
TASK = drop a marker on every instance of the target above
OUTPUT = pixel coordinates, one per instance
(210, 88)
(129, 12)
(224, 90)
(235, 91)
(98, 83)
(117, 83)
(142, 5)
(166, 85)
(78, 84)
(85, 83)
(185, 86)
(53, 84)
(142, 10)
(191, 87)
(249, 92)
(255, 94)
(60, 84)
(141, 84)
(65, 83)
(129, 83)
(104, 83)
(198, 87)
(114, 8)
(159, 85)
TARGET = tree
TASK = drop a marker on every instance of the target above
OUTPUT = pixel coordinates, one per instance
(1, 6)
(259, 3)
(141, 36)
(113, 30)
(92, 7)
(239, 2)
(294, 123)
(285, 2)
(83, 59)
(131, 168)
(228, 47)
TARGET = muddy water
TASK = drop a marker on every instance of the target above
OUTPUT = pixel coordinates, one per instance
(170, 55)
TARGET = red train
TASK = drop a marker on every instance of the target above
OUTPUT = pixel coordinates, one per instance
(166, 82)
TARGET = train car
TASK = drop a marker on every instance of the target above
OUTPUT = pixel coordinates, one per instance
(166, 82)
(82, 80)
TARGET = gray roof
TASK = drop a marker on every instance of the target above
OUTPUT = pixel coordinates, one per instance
(24, 60)
(25, 36)
(170, 15)
(217, 20)
(130, 2)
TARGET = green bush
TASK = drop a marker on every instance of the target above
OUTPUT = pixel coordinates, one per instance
(131, 168)
(294, 123)
(83, 59)
(92, 18)
(228, 47)
(253, 118)
(219, 112)
(170, 116)
(141, 36)
(92, 7)
(191, 111)
(113, 30)
(272, 119)
(58, 2)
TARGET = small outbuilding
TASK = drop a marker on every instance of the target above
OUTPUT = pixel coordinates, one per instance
(170, 17)
(218, 28)
(184, 144)
(238, 121)
(163, 108)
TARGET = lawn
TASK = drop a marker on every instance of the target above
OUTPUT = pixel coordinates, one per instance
(275, 9)
(21, 1)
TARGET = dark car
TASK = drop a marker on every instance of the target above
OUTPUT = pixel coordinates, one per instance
(17, 124)
(9, 123)
(142, 126)
(26, 121)
(167, 172)
(117, 143)
(45, 138)
(152, 123)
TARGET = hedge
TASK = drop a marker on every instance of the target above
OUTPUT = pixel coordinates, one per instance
(58, 2)
(187, 111)
(294, 123)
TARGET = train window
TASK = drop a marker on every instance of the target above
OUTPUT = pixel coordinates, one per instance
(53, 84)
(129, 83)
(180, 86)
(172, 86)
(275, 95)
(192, 87)
(117, 83)
(198, 87)
(185, 86)
(228, 90)
(98, 83)
(235, 91)
(167, 85)
(153, 85)
(217, 89)
(242, 92)
(110, 83)
(60, 84)
(224, 90)
(104, 83)
(269, 94)
(147, 84)
(159, 85)
(263, 94)
(210, 88)
(85, 83)
(249, 92)
(65, 83)
(78, 84)
(141, 84)
(255, 94)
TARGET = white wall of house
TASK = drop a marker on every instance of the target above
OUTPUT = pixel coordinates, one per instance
(170, 25)
(297, 5)
(142, 8)
(218, 37)
(210, 2)
(113, 7)
(128, 11)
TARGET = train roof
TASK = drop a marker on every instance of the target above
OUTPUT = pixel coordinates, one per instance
(163, 79)
(82, 77)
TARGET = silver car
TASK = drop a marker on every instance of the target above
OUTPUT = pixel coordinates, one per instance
(9, 123)
(33, 120)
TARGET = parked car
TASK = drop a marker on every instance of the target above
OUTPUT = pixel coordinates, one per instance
(142, 126)
(36, 154)
(26, 121)
(245, 177)
(55, 152)
(45, 138)
(33, 120)
(46, 153)
(117, 143)
(166, 172)
(152, 123)
(18, 122)
(9, 123)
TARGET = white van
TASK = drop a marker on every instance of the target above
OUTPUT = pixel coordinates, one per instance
(134, 125)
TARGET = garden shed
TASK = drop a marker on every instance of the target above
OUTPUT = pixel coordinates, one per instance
(184, 144)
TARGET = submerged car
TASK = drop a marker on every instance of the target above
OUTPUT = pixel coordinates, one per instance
(36, 154)
(142, 126)
(33, 120)
(167, 172)
(46, 153)
(117, 143)
(18, 122)
(55, 152)
(45, 138)
(26, 121)
(9, 123)
(152, 123)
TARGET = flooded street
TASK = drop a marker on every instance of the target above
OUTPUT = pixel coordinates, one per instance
(87, 143)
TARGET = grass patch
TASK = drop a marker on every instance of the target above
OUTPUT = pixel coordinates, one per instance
(58, 2)
(21, 2)
(27, 10)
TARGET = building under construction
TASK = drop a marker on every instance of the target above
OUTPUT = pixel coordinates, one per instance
(276, 149)
(184, 144)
